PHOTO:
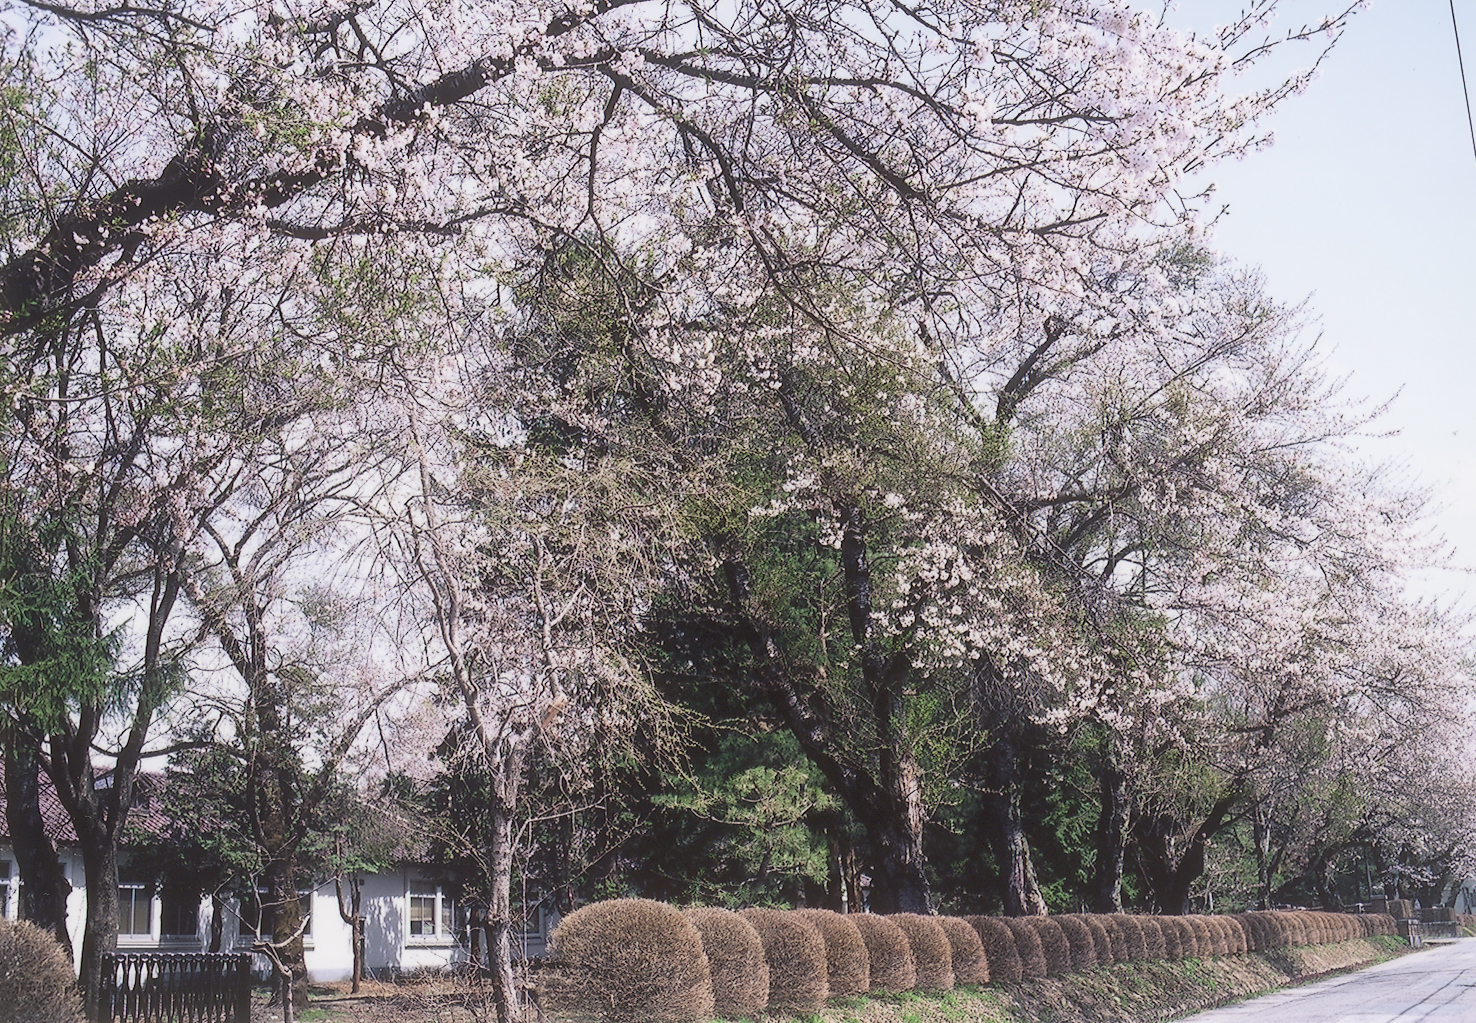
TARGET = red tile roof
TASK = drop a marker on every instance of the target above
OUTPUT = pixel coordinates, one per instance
(146, 813)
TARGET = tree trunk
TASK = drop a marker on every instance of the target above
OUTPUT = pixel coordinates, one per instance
(899, 882)
(1019, 889)
(1261, 834)
(100, 858)
(43, 883)
(1170, 875)
(287, 923)
(1111, 837)
(351, 912)
(217, 921)
(506, 778)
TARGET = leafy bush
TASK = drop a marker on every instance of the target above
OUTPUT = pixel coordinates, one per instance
(735, 960)
(970, 965)
(1053, 945)
(932, 956)
(795, 953)
(848, 968)
(1027, 944)
(37, 984)
(998, 942)
(889, 954)
(630, 959)
(1079, 945)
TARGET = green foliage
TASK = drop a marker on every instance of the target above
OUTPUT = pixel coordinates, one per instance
(55, 651)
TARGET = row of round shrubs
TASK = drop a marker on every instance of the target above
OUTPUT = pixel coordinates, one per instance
(634, 959)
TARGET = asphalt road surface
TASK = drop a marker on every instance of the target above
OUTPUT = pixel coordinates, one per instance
(1436, 985)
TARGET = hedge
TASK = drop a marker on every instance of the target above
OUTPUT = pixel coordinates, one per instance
(630, 960)
(847, 966)
(735, 959)
(970, 965)
(998, 942)
(932, 955)
(795, 953)
(888, 952)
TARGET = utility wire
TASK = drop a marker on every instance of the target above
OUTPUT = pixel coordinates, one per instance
(1465, 90)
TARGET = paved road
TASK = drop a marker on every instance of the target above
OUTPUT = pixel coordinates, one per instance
(1437, 985)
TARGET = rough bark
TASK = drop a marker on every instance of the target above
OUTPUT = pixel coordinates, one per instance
(1111, 832)
(351, 912)
(1169, 873)
(43, 883)
(507, 774)
(1019, 889)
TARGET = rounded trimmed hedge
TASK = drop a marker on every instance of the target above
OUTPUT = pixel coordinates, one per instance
(1102, 937)
(735, 960)
(630, 960)
(1027, 943)
(847, 966)
(1053, 944)
(795, 953)
(888, 953)
(37, 984)
(998, 942)
(1079, 944)
(1132, 936)
(1204, 938)
(1173, 945)
(1188, 940)
(932, 955)
(970, 965)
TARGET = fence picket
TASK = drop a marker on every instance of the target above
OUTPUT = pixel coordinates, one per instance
(176, 987)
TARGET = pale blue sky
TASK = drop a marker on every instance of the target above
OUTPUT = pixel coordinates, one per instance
(1366, 204)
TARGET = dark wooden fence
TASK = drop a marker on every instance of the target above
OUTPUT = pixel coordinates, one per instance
(183, 987)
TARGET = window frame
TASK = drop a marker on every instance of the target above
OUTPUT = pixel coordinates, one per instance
(445, 913)
(136, 892)
(251, 912)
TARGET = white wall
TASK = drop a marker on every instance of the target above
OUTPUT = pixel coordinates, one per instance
(389, 945)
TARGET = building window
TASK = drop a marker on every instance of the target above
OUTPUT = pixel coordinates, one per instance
(5, 886)
(259, 914)
(432, 912)
(134, 901)
(533, 921)
(179, 913)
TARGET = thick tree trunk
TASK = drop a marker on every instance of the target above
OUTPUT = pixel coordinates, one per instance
(1170, 874)
(1111, 836)
(1005, 829)
(899, 882)
(43, 883)
(100, 858)
(885, 796)
(287, 923)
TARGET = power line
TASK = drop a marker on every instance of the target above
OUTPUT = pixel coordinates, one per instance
(1465, 90)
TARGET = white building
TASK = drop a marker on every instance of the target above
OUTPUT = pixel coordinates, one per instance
(410, 922)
